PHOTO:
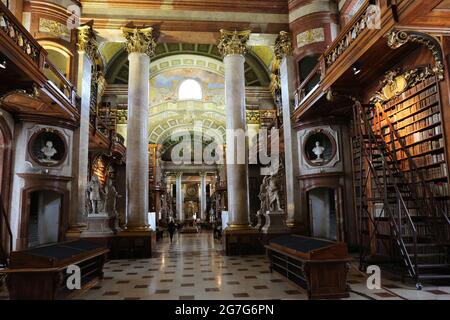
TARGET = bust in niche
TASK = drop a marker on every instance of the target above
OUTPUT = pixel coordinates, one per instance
(48, 151)
(318, 150)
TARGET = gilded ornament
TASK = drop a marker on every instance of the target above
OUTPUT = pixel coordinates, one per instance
(395, 82)
(283, 45)
(139, 40)
(87, 41)
(397, 38)
(233, 42)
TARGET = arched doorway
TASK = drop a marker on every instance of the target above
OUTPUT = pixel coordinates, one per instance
(323, 213)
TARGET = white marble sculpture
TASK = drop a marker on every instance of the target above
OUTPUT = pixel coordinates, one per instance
(49, 151)
(95, 195)
(273, 191)
(318, 150)
(111, 196)
(263, 196)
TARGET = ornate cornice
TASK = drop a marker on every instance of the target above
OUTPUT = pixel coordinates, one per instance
(397, 38)
(233, 42)
(283, 45)
(396, 82)
(87, 41)
(140, 40)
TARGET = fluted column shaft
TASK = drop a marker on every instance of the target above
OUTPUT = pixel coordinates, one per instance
(233, 48)
(87, 49)
(283, 48)
(140, 44)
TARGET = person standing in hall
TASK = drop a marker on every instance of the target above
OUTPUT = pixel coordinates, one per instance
(171, 228)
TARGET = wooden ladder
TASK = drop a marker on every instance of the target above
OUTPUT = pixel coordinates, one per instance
(419, 239)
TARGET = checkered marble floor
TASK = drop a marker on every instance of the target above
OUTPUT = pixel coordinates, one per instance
(194, 267)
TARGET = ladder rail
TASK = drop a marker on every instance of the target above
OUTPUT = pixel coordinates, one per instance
(403, 211)
(428, 196)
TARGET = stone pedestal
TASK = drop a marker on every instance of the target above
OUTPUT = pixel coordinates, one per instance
(274, 227)
(244, 241)
(98, 225)
(274, 223)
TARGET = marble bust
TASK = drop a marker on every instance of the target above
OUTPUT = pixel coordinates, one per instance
(49, 151)
(318, 150)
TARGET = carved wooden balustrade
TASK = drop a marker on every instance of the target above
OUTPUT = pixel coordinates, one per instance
(308, 85)
(25, 51)
(348, 35)
(61, 82)
(17, 33)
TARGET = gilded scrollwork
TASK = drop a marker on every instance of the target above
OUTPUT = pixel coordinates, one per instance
(233, 42)
(283, 45)
(397, 38)
(396, 82)
(141, 40)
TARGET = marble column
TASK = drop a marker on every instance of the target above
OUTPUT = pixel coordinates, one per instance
(87, 50)
(140, 45)
(233, 46)
(179, 197)
(283, 49)
(203, 196)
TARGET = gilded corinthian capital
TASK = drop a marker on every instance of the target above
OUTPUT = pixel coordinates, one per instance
(283, 45)
(233, 42)
(87, 41)
(139, 40)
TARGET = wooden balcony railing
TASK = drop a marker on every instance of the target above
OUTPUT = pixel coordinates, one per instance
(308, 85)
(348, 35)
(13, 29)
(60, 81)
(24, 42)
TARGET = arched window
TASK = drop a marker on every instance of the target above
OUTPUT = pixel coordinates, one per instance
(307, 65)
(190, 90)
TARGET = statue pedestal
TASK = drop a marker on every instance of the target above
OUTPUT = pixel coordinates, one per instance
(98, 225)
(261, 220)
(274, 227)
(275, 223)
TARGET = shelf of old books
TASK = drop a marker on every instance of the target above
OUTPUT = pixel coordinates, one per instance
(416, 116)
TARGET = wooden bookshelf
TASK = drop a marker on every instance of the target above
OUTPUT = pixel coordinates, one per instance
(416, 116)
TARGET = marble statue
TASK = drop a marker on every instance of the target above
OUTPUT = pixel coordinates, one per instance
(273, 191)
(318, 150)
(111, 196)
(95, 195)
(263, 196)
(49, 151)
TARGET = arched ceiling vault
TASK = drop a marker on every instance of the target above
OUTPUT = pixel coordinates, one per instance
(256, 73)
